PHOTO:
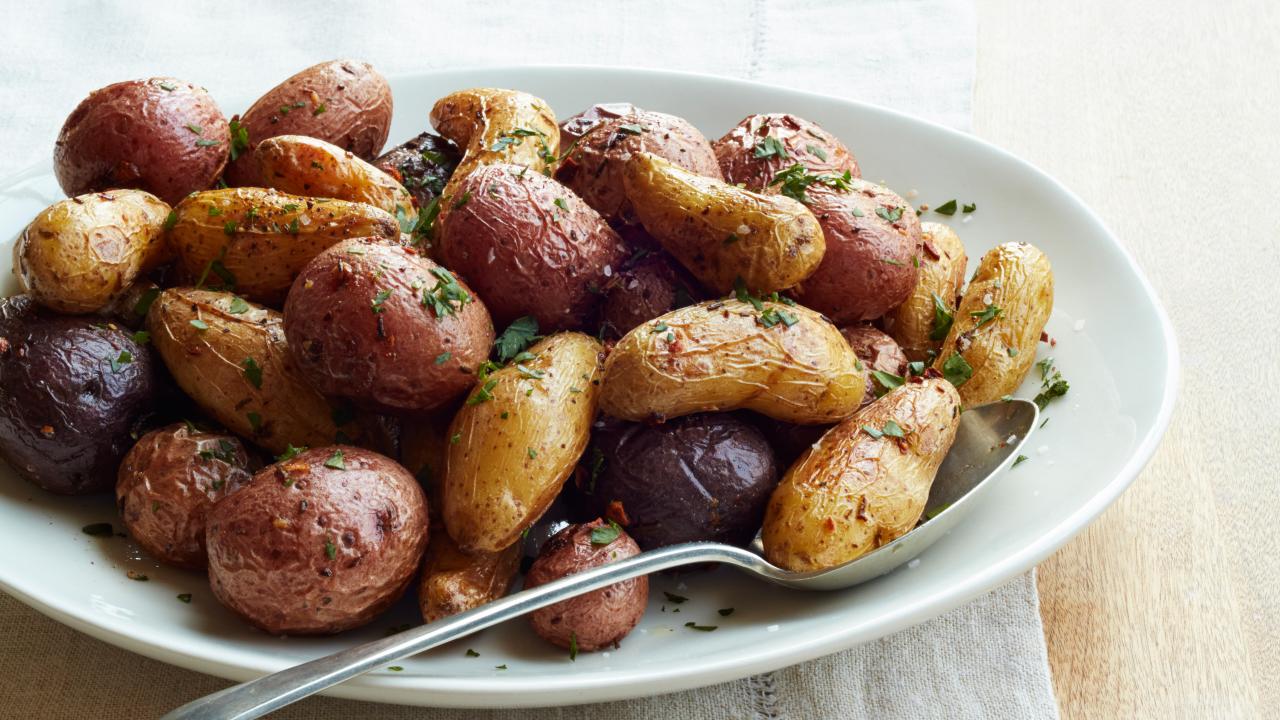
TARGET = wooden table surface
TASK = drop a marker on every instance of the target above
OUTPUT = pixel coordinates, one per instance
(1165, 118)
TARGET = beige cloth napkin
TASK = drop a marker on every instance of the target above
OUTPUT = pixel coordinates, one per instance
(986, 659)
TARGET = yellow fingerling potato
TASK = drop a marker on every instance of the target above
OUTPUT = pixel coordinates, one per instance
(784, 361)
(492, 126)
(257, 240)
(453, 581)
(302, 165)
(721, 232)
(861, 486)
(992, 342)
(917, 324)
(516, 439)
(81, 253)
(231, 357)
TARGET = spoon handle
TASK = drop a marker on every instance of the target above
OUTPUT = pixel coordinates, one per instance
(256, 698)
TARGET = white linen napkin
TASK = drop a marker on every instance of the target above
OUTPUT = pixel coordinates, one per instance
(986, 659)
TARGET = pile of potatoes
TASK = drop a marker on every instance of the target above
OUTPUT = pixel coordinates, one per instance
(318, 370)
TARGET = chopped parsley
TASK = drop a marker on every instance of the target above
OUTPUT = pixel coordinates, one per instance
(890, 214)
(725, 612)
(102, 529)
(816, 151)
(238, 306)
(630, 129)
(442, 296)
(795, 180)
(770, 147)
(605, 534)
(915, 368)
(886, 380)
(673, 598)
(239, 138)
(466, 197)
(942, 319)
(170, 220)
(532, 453)
(207, 143)
(986, 315)
(970, 207)
(184, 597)
(290, 452)
(573, 647)
(253, 372)
(319, 109)
(118, 362)
(700, 628)
(1052, 384)
(330, 550)
(378, 300)
(142, 337)
(518, 335)
(144, 301)
(946, 208)
(484, 393)
(443, 358)
(892, 429)
(1019, 460)
(336, 461)
(472, 653)
(957, 370)
(255, 420)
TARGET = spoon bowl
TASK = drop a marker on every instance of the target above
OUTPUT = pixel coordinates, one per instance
(987, 440)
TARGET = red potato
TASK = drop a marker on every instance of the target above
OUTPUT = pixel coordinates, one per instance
(761, 146)
(161, 135)
(876, 351)
(319, 543)
(600, 618)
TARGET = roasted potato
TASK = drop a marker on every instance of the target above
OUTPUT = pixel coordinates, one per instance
(921, 322)
(422, 165)
(862, 486)
(873, 248)
(453, 581)
(256, 241)
(318, 543)
(385, 327)
(699, 477)
(652, 285)
(724, 234)
(784, 361)
(168, 482)
(494, 126)
(575, 126)
(594, 167)
(600, 618)
(314, 168)
(878, 353)
(517, 439)
(231, 357)
(529, 246)
(761, 146)
(81, 254)
(72, 392)
(992, 342)
(344, 102)
(161, 135)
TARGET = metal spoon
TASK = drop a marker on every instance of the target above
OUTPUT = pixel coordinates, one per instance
(986, 442)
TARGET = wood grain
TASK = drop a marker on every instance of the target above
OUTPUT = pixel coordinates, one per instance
(1163, 117)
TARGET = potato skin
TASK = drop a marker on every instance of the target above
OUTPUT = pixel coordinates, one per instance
(594, 620)
(877, 351)
(168, 482)
(699, 477)
(852, 492)
(594, 168)
(422, 165)
(66, 415)
(453, 581)
(942, 267)
(501, 474)
(495, 126)
(529, 246)
(305, 166)
(870, 263)
(721, 232)
(718, 355)
(344, 102)
(803, 142)
(161, 135)
(652, 286)
(263, 238)
(306, 548)
(358, 328)
(211, 367)
(81, 254)
(1017, 279)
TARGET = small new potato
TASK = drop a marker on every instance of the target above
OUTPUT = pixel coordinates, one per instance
(344, 102)
(232, 358)
(878, 353)
(917, 323)
(495, 126)
(528, 246)
(722, 233)
(72, 392)
(699, 477)
(168, 482)
(600, 618)
(453, 581)
(594, 167)
(256, 240)
(318, 543)
(422, 165)
(385, 327)
(873, 242)
(517, 439)
(761, 146)
(861, 486)
(162, 135)
(652, 286)
(992, 342)
(81, 254)
(784, 361)
(306, 166)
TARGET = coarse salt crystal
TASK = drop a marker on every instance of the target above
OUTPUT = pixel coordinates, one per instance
(1042, 449)
(1012, 439)
(987, 299)
(608, 271)
(967, 218)
(913, 564)
(744, 230)
(772, 628)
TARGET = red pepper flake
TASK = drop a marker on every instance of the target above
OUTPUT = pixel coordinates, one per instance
(933, 251)
(47, 431)
(617, 513)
